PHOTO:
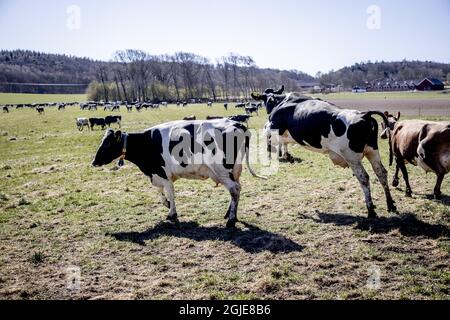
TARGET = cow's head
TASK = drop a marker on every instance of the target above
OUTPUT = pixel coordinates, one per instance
(392, 121)
(270, 97)
(110, 148)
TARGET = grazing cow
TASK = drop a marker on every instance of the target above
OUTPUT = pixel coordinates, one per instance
(97, 122)
(214, 117)
(225, 105)
(184, 149)
(164, 104)
(113, 119)
(190, 118)
(185, 104)
(92, 106)
(346, 136)
(243, 118)
(40, 109)
(209, 104)
(129, 108)
(423, 143)
(84, 106)
(61, 106)
(81, 123)
(251, 109)
(5, 109)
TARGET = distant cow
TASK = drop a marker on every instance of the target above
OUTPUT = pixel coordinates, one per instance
(61, 106)
(113, 119)
(214, 117)
(190, 118)
(129, 108)
(346, 136)
(209, 104)
(97, 122)
(423, 143)
(162, 154)
(81, 123)
(240, 105)
(251, 109)
(225, 105)
(84, 106)
(40, 109)
(243, 118)
(5, 109)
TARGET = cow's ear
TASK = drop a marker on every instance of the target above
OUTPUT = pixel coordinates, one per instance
(118, 135)
(386, 113)
(258, 96)
(398, 115)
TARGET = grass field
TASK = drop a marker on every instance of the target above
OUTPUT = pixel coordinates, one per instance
(303, 233)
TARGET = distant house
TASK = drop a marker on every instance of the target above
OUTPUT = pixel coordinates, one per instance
(430, 84)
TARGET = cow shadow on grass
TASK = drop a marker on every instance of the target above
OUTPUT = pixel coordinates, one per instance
(407, 224)
(251, 239)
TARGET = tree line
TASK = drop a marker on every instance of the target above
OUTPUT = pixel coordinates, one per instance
(134, 75)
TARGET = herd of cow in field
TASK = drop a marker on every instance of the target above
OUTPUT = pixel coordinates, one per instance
(346, 136)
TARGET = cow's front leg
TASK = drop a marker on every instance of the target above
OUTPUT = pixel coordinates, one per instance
(235, 191)
(170, 193)
(380, 171)
(363, 178)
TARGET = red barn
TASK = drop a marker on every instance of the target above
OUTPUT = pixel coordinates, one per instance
(429, 84)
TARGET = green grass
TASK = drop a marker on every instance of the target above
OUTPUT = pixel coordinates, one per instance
(303, 233)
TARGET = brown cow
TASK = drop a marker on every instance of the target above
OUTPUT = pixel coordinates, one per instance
(423, 143)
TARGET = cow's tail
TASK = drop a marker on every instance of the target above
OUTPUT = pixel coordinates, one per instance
(388, 131)
(247, 159)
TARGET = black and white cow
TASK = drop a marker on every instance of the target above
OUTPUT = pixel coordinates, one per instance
(184, 149)
(6, 109)
(346, 136)
(40, 109)
(81, 123)
(61, 106)
(243, 118)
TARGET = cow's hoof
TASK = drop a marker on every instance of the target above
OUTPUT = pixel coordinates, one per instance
(409, 193)
(395, 183)
(392, 208)
(372, 214)
(172, 218)
(438, 196)
(231, 224)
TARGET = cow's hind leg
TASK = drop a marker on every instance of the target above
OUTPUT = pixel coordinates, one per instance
(380, 171)
(363, 178)
(437, 188)
(402, 166)
(395, 179)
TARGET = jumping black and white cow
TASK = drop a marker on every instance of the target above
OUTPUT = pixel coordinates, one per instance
(184, 149)
(346, 136)
(113, 119)
(81, 123)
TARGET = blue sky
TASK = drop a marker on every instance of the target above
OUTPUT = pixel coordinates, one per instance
(289, 34)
